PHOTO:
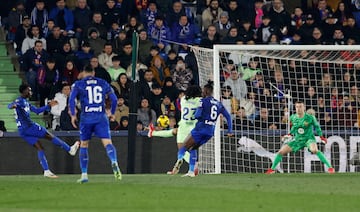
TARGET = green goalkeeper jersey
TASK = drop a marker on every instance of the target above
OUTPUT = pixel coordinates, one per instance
(303, 128)
(188, 108)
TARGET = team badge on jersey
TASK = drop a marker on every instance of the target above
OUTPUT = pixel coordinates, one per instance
(301, 131)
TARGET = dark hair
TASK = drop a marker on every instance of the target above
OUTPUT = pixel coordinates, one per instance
(193, 91)
(88, 69)
(210, 86)
(23, 87)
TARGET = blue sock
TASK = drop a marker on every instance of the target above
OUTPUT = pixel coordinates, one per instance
(111, 152)
(84, 159)
(181, 153)
(193, 159)
(58, 142)
(42, 160)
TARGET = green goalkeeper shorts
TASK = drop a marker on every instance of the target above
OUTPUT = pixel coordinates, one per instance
(298, 145)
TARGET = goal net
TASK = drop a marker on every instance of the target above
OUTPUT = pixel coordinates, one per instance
(259, 86)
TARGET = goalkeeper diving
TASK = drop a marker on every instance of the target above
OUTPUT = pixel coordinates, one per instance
(301, 135)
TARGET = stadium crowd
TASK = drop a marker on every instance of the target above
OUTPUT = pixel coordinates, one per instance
(55, 39)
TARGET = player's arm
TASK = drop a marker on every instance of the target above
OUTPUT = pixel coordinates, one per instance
(228, 119)
(72, 103)
(113, 99)
(12, 105)
(38, 110)
(318, 130)
(199, 110)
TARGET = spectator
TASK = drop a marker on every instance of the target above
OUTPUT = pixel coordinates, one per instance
(265, 30)
(241, 121)
(119, 41)
(99, 71)
(55, 41)
(97, 25)
(237, 85)
(115, 70)
(124, 123)
(145, 114)
(125, 8)
(65, 54)
(160, 34)
(211, 14)
(185, 33)
(322, 11)
(139, 71)
(30, 62)
(210, 38)
(311, 98)
(317, 37)
(176, 11)
(65, 119)
(167, 107)
(145, 84)
(82, 18)
(48, 80)
(159, 70)
(63, 17)
(70, 73)
(230, 103)
(280, 17)
(132, 26)
(232, 36)
(49, 28)
(170, 89)
(84, 55)
(156, 98)
(122, 87)
(14, 19)
(148, 15)
(122, 110)
(33, 35)
(223, 25)
(171, 59)
(144, 46)
(306, 30)
(61, 98)
(265, 121)
(347, 112)
(329, 26)
(126, 54)
(39, 15)
(112, 14)
(257, 13)
(21, 33)
(342, 13)
(351, 30)
(297, 19)
(105, 58)
(96, 42)
(235, 13)
(249, 72)
(246, 33)
(338, 37)
(182, 75)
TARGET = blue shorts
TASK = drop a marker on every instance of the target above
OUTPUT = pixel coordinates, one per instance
(200, 136)
(32, 134)
(101, 129)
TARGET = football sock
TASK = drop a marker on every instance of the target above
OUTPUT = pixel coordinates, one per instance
(163, 133)
(84, 159)
(42, 160)
(277, 160)
(58, 142)
(181, 153)
(111, 152)
(193, 158)
(323, 159)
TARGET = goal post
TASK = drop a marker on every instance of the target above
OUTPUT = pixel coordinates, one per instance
(294, 70)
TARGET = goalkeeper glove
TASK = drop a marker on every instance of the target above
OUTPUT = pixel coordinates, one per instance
(323, 139)
(286, 138)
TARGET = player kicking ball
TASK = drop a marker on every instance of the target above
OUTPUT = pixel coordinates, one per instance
(31, 132)
(92, 92)
(207, 114)
(302, 135)
(188, 105)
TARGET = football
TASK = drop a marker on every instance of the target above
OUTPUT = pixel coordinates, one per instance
(163, 121)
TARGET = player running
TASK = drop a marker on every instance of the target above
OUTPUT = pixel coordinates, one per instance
(92, 92)
(302, 135)
(31, 132)
(206, 114)
(188, 105)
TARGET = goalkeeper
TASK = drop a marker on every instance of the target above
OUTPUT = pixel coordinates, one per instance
(301, 135)
(188, 105)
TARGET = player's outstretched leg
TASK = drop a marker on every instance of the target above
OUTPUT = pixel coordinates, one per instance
(45, 166)
(84, 161)
(277, 160)
(111, 152)
(323, 159)
(74, 148)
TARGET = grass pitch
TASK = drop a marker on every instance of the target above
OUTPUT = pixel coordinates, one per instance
(226, 192)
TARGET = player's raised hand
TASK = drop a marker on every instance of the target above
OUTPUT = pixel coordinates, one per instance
(53, 103)
(323, 139)
(73, 121)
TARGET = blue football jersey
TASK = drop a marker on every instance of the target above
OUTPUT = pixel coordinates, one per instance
(208, 113)
(92, 92)
(22, 112)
